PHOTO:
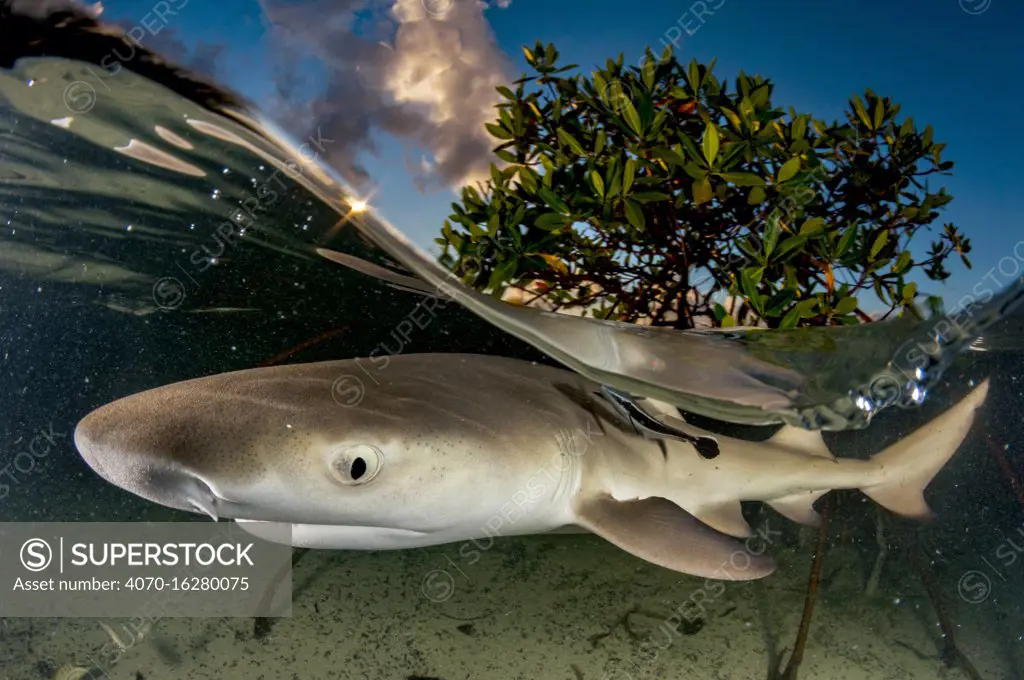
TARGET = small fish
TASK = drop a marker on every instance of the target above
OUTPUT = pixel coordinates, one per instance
(113, 636)
(70, 672)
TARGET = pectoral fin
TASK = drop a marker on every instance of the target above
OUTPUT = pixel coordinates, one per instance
(658, 531)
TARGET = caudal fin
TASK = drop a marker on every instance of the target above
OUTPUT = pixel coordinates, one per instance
(909, 465)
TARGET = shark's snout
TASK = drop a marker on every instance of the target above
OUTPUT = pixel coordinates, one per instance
(134, 457)
(92, 444)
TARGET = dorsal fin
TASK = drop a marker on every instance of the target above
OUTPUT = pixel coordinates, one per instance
(726, 518)
(797, 439)
(799, 507)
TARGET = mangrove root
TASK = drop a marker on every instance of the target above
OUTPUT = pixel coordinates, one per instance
(790, 672)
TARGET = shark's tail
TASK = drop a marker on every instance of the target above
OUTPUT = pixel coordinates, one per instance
(909, 465)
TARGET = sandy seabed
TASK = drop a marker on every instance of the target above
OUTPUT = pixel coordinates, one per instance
(548, 608)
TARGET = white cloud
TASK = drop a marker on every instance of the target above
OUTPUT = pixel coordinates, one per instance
(422, 70)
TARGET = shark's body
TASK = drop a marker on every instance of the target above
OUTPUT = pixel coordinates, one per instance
(428, 449)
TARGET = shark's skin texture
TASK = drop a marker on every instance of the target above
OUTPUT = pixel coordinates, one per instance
(429, 449)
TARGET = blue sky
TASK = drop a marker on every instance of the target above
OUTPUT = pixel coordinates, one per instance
(952, 63)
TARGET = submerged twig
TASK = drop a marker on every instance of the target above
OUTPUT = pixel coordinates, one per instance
(951, 654)
(327, 335)
(466, 618)
(883, 550)
(790, 672)
(621, 621)
(1007, 469)
(261, 624)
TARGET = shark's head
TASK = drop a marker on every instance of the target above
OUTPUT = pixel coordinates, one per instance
(280, 444)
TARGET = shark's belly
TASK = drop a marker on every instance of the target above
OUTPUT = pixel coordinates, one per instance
(336, 537)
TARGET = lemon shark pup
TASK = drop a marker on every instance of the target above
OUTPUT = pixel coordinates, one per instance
(418, 450)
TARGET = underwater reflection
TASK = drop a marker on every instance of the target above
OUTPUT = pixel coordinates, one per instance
(185, 167)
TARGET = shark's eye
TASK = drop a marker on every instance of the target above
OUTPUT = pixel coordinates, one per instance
(354, 465)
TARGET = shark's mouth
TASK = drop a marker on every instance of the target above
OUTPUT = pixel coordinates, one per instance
(339, 536)
(364, 528)
(208, 510)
